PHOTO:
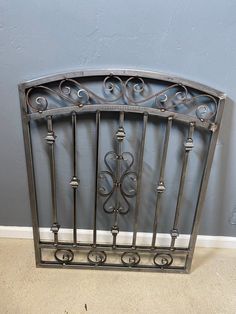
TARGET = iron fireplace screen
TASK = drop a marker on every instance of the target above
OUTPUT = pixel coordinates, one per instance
(118, 165)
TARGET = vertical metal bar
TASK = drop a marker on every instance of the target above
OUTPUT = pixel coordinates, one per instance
(74, 182)
(31, 176)
(96, 180)
(118, 173)
(204, 182)
(188, 147)
(139, 180)
(161, 184)
(50, 139)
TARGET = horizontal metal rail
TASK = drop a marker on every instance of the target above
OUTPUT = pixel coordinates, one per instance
(117, 108)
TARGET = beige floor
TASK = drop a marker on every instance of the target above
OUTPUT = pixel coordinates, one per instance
(210, 288)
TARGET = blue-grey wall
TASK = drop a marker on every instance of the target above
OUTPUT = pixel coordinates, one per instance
(192, 39)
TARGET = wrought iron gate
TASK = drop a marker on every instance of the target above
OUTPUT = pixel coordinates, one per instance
(117, 109)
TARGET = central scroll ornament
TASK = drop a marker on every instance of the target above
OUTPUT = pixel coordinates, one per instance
(118, 183)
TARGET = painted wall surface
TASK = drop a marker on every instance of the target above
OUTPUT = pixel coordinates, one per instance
(191, 39)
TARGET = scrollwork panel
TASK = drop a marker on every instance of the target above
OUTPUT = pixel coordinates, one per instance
(135, 91)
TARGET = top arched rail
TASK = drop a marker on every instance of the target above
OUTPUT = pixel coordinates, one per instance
(122, 90)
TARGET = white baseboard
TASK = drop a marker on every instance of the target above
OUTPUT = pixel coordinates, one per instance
(84, 235)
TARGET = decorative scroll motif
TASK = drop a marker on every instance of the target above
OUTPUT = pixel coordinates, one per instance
(132, 91)
(163, 260)
(130, 258)
(118, 183)
(64, 256)
(97, 257)
(121, 182)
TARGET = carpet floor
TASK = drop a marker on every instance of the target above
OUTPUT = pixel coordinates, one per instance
(210, 288)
